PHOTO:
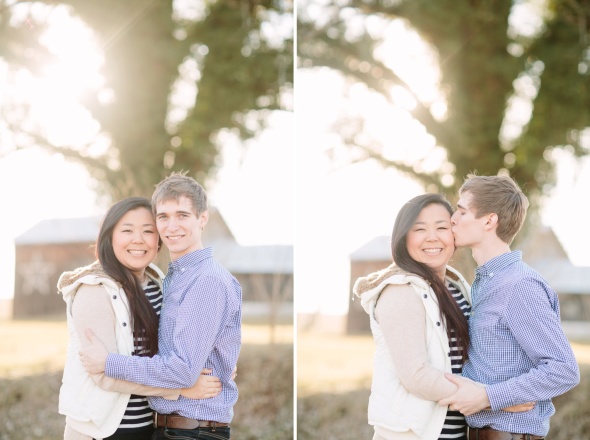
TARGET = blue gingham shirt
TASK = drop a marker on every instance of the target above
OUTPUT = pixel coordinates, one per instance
(200, 327)
(518, 348)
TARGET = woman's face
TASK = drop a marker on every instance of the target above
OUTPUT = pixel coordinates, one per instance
(135, 240)
(430, 240)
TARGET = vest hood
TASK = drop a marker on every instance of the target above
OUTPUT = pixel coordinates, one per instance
(368, 287)
(94, 274)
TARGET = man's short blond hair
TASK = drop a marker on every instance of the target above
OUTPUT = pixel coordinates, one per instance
(177, 185)
(499, 195)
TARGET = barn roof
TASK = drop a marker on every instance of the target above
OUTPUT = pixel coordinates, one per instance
(236, 258)
(85, 229)
(378, 249)
(254, 259)
(61, 230)
(541, 243)
(563, 276)
(544, 252)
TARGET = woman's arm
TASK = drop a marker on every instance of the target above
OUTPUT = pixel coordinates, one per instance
(402, 318)
(92, 309)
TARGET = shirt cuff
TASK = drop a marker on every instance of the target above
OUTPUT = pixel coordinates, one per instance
(115, 366)
(499, 396)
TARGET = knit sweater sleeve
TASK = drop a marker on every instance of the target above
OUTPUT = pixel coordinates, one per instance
(92, 309)
(402, 318)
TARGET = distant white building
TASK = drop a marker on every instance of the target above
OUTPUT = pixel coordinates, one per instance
(543, 251)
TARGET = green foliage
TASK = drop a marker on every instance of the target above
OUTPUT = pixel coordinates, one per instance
(562, 108)
(484, 62)
(240, 72)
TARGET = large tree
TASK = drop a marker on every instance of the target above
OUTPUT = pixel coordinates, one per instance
(490, 62)
(238, 55)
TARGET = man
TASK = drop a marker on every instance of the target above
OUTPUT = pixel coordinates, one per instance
(200, 322)
(517, 346)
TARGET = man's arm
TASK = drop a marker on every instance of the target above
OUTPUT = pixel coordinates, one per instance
(199, 318)
(471, 397)
(535, 325)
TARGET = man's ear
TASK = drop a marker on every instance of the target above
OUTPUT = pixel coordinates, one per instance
(204, 218)
(491, 221)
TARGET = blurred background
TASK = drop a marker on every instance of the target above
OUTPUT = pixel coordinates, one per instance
(395, 98)
(100, 101)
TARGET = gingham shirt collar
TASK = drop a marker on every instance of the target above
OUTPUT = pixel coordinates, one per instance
(190, 260)
(498, 263)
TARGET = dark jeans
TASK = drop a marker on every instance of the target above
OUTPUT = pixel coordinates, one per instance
(143, 435)
(189, 434)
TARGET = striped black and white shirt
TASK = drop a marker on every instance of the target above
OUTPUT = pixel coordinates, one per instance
(138, 415)
(455, 426)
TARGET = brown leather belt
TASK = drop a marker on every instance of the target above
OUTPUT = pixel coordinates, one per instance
(174, 421)
(488, 433)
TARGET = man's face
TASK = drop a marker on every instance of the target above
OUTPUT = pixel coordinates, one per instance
(467, 229)
(179, 226)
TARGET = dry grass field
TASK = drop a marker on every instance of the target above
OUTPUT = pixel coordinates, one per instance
(334, 378)
(31, 366)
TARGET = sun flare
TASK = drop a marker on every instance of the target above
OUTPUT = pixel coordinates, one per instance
(54, 94)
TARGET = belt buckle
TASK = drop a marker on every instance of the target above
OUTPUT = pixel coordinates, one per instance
(156, 419)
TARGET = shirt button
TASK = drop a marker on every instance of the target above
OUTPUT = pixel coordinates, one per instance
(438, 324)
(425, 296)
(114, 296)
(124, 324)
(449, 354)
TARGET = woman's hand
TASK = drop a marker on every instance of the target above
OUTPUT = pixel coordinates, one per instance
(523, 407)
(205, 387)
(93, 357)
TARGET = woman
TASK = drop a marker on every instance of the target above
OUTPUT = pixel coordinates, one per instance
(119, 298)
(418, 310)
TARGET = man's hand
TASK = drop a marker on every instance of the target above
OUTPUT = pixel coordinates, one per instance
(470, 398)
(94, 356)
(205, 387)
(523, 407)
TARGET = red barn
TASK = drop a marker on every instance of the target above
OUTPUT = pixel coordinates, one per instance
(41, 255)
(54, 246)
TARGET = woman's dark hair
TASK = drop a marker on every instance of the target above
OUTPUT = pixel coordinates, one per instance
(451, 313)
(143, 316)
